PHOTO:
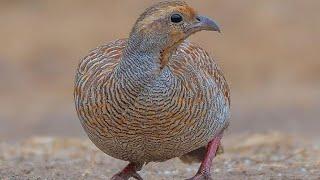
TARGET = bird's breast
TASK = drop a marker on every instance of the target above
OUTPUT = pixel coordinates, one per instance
(166, 115)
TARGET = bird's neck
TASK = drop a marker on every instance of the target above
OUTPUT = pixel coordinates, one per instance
(137, 69)
(143, 57)
(138, 62)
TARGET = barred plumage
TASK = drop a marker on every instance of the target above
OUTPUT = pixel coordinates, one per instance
(139, 107)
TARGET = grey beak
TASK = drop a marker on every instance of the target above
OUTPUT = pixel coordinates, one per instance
(205, 23)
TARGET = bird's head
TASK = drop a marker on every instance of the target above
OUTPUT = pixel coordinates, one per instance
(165, 25)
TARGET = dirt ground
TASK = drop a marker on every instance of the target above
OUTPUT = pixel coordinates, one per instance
(256, 156)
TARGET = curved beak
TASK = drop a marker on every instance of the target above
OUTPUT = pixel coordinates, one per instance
(204, 23)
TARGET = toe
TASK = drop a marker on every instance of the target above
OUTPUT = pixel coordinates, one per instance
(137, 176)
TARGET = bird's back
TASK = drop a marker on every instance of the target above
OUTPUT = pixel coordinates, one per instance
(176, 112)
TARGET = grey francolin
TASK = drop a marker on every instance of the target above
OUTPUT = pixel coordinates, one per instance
(155, 96)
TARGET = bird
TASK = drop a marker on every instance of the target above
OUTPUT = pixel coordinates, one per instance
(155, 95)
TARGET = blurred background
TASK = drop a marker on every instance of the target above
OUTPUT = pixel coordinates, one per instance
(269, 51)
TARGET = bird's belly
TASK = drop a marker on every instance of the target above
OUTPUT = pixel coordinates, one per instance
(153, 131)
(163, 122)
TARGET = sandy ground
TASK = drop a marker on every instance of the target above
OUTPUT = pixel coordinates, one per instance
(255, 156)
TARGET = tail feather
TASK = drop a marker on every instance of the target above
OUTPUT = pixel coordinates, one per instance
(194, 156)
(198, 155)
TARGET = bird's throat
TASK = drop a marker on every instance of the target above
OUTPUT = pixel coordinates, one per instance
(166, 54)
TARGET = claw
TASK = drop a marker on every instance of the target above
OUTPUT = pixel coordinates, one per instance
(136, 176)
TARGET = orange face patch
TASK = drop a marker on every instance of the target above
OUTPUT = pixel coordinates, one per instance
(187, 10)
(145, 23)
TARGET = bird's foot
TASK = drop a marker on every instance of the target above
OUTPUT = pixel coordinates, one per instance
(128, 172)
(201, 176)
(204, 170)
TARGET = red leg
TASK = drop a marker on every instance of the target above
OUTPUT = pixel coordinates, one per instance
(204, 170)
(129, 171)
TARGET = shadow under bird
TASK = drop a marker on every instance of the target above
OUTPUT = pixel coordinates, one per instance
(155, 96)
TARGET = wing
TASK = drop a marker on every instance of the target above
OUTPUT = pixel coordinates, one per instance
(190, 55)
(94, 71)
(103, 57)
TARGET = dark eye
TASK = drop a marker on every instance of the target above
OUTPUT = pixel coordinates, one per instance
(176, 18)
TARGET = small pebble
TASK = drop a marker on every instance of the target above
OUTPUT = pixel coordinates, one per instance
(188, 169)
(303, 170)
(247, 162)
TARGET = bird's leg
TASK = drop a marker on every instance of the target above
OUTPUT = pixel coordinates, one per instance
(204, 170)
(129, 171)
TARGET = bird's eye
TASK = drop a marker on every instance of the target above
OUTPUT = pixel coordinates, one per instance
(176, 18)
